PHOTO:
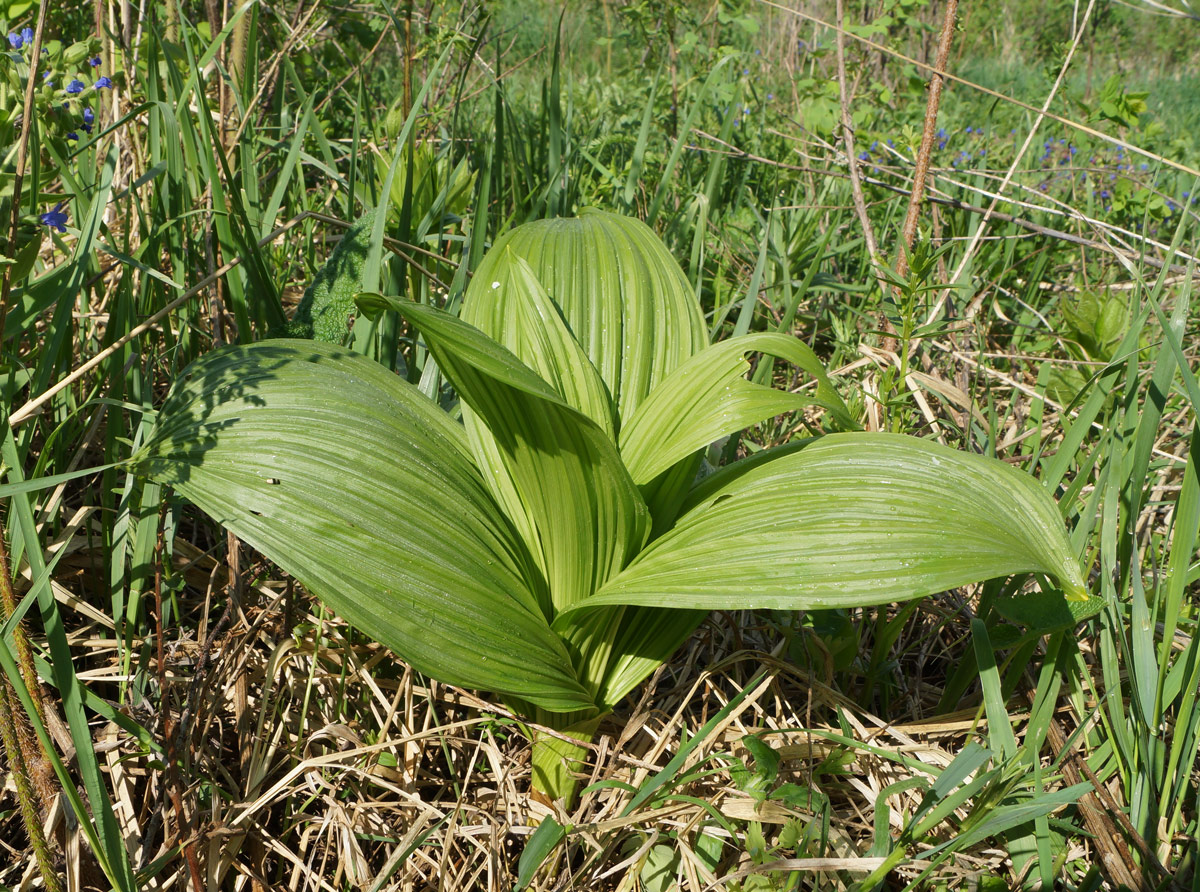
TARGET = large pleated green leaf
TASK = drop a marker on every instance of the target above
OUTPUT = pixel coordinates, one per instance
(708, 397)
(587, 515)
(359, 486)
(851, 520)
(620, 291)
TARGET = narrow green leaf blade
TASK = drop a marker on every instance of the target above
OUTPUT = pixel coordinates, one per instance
(351, 480)
(851, 520)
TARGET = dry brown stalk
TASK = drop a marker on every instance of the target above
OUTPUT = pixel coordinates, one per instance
(909, 231)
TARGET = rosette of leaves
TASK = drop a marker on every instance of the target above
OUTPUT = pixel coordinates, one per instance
(558, 545)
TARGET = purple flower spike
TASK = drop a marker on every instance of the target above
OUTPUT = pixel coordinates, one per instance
(76, 86)
(14, 40)
(103, 84)
(55, 219)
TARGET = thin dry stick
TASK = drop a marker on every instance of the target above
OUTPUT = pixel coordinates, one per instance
(860, 204)
(909, 232)
(882, 323)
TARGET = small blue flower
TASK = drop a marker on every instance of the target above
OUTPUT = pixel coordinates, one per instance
(745, 71)
(864, 156)
(941, 144)
(1144, 166)
(15, 40)
(76, 86)
(73, 136)
(770, 96)
(874, 145)
(103, 83)
(89, 116)
(890, 143)
(941, 133)
(94, 61)
(1071, 149)
(968, 130)
(55, 219)
(27, 34)
(758, 52)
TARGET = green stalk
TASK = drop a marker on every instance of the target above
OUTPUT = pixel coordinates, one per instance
(556, 761)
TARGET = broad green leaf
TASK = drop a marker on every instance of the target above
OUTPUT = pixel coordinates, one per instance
(852, 520)
(588, 517)
(538, 336)
(352, 481)
(621, 293)
(708, 397)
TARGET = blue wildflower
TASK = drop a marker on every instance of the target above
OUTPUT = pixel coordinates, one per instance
(76, 86)
(941, 133)
(27, 34)
(56, 218)
(89, 118)
(770, 96)
(73, 136)
(14, 40)
(103, 83)
(94, 61)
(941, 144)
(1144, 166)
(864, 156)
(968, 130)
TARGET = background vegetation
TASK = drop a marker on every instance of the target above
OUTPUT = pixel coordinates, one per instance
(215, 728)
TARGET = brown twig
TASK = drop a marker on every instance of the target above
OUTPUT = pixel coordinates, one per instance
(909, 231)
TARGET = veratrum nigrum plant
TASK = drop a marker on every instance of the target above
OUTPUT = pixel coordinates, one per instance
(558, 544)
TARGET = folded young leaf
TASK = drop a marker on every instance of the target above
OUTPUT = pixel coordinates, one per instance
(621, 292)
(588, 517)
(536, 333)
(355, 483)
(708, 397)
(851, 520)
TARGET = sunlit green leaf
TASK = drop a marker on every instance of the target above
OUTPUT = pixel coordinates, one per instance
(852, 519)
(360, 487)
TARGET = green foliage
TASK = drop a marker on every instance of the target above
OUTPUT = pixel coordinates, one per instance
(326, 310)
